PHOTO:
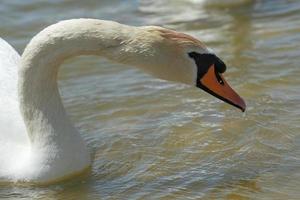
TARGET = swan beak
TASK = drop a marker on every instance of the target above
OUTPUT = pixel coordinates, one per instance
(214, 83)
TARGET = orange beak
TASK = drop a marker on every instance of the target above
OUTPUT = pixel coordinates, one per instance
(214, 83)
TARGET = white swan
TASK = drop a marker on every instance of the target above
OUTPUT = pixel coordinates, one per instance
(56, 148)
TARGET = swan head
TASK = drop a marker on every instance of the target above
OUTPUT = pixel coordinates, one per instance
(182, 58)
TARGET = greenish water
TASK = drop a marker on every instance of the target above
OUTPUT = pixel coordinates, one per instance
(152, 139)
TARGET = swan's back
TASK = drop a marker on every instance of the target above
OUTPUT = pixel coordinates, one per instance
(9, 61)
(12, 128)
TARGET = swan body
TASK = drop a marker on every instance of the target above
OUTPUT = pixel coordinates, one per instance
(30, 97)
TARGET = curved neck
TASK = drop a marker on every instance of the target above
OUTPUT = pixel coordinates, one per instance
(40, 102)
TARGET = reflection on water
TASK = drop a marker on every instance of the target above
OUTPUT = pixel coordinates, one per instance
(152, 139)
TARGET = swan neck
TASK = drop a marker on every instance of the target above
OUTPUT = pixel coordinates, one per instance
(41, 105)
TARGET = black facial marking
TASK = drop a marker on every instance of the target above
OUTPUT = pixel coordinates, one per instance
(220, 65)
(204, 61)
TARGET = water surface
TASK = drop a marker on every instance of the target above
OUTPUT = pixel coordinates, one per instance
(152, 139)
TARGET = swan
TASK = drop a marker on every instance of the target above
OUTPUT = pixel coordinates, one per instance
(30, 103)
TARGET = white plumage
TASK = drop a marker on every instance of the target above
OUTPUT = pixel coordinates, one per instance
(50, 148)
(56, 149)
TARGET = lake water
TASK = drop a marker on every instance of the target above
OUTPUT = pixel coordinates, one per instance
(152, 139)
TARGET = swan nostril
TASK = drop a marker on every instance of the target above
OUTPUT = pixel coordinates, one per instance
(219, 78)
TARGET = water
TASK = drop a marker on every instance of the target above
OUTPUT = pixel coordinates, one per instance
(152, 139)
